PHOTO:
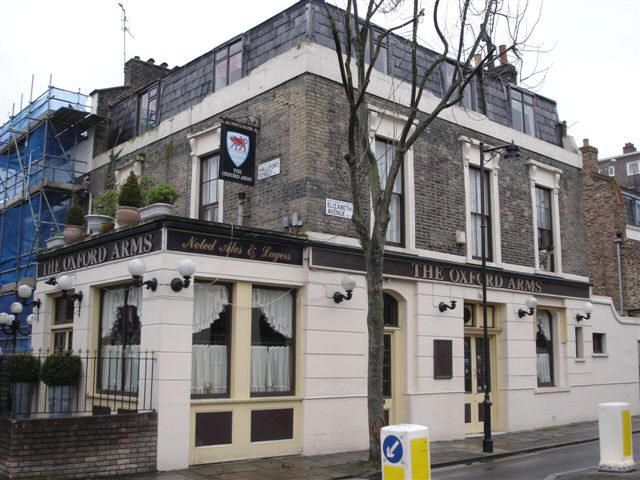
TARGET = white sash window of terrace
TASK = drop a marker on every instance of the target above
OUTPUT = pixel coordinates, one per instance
(545, 186)
(228, 65)
(119, 342)
(62, 329)
(209, 187)
(385, 151)
(632, 209)
(522, 114)
(633, 168)
(207, 190)
(476, 217)
(147, 109)
(211, 341)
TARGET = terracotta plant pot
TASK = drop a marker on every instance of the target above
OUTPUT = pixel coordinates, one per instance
(72, 233)
(127, 216)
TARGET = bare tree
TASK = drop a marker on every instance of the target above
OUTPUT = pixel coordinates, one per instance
(467, 44)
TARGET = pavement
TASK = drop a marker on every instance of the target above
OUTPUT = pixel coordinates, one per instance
(354, 465)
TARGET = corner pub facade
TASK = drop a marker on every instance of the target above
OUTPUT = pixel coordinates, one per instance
(254, 356)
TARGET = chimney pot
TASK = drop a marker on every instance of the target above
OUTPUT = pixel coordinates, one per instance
(585, 142)
(151, 61)
(628, 148)
(503, 54)
(137, 57)
(164, 64)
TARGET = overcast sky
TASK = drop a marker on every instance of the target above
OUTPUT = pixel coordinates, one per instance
(594, 64)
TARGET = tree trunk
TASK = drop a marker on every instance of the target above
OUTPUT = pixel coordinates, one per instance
(375, 325)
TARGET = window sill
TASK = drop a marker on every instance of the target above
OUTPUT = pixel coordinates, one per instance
(600, 355)
(540, 390)
(200, 401)
(580, 360)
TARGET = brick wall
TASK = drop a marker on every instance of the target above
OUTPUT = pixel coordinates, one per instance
(604, 216)
(78, 447)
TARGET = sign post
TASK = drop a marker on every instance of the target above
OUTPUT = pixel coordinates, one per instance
(405, 452)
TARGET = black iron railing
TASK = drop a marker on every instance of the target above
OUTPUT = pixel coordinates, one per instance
(113, 381)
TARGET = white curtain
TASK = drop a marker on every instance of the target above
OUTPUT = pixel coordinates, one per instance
(270, 369)
(277, 306)
(208, 369)
(114, 365)
(209, 302)
(111, 301)
(544, 368)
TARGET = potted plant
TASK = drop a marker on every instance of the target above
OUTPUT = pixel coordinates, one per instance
(73, 230)
(55, 239)
(60, 371)
(23, 370)
(159, 201)
(129, 200)
(103, 209)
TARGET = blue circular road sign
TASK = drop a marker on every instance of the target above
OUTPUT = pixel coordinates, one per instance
(392, 449)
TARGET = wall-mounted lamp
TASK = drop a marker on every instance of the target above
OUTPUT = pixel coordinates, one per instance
(24, 292)
(532, 303)
(186, 269)
(443, 307)
(349, 284)
(64, 284)
(137, 269)
(588, 308)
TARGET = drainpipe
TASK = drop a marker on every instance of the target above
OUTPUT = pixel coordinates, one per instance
(618, 241)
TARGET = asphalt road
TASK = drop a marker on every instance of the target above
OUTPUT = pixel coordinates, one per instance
(535, 466)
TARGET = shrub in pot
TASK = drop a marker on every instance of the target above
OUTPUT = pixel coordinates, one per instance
(60, 371)
(22, 370)
(158, 201)
(103, 209)
(73, 230)
(129, 200)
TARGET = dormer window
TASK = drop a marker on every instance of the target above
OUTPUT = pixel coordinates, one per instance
(522, 116)
(448, 71)
(147, 107)
(228, 65)
(382, 58)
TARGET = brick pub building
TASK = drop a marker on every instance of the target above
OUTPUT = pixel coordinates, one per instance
(254, 356)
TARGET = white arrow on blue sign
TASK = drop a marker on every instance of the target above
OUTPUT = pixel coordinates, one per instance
(392, 449)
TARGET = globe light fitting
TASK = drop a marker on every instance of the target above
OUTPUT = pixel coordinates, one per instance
(186, 269)
(349, 284)
(532, 303)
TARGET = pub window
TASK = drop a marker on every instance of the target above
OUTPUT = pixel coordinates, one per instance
(272, 341)
(522, 115)
(390, 313)
(209, 188)
(476, 216)
(599, 343)
(211, 340)
(147, 107)
(385, 153)
(119, 343)
(544, 348)
(62, 329)
(545, 230)
(442, 359)
(228, 65)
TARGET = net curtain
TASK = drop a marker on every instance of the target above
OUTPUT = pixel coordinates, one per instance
(270, 365)
(119, 360)
(208, 362)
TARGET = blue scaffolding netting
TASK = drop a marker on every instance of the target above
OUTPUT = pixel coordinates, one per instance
(37, 171)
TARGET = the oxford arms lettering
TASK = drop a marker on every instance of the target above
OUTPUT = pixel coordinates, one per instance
(88, 257)
(471, 277)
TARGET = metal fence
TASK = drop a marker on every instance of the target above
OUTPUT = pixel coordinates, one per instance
(116, 380)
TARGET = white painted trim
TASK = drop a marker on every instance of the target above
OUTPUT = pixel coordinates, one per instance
(321, 61)
(547, 177)
(202, 143)
(633, 232)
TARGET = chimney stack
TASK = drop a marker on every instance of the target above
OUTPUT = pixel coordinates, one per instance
(503, 55)
(628, 148)
(589, 157)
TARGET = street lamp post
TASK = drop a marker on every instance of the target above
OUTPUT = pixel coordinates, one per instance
(512, 151)
(10, 324)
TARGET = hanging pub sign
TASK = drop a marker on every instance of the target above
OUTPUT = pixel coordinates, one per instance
(237, 155)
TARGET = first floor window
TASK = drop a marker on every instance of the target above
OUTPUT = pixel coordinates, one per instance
(272, 334)
(599, 344)
(211, 340)
(545, 229)
(385, 153)
(544, 348)
(148, 104)
(633, 168)
(119, 344)
(209, 188)
(611, 171)
(475, 207)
